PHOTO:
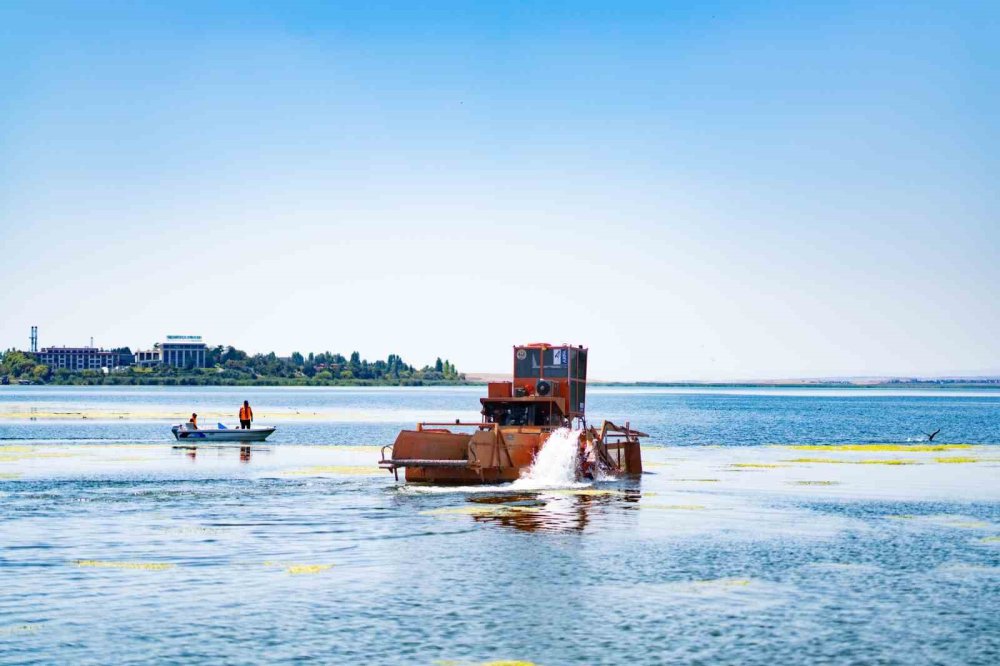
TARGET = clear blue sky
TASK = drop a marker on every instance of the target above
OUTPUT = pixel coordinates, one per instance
(694, 190)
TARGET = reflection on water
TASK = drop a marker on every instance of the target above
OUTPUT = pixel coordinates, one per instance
(280, 553)
(245, 450)
(549, 512)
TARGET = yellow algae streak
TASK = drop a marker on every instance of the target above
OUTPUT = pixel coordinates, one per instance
(969, 524)
(991, 539)
(146, 566)
(756, 465)
(354, 448)
(352, 470)
(16, 449)
(817, 460)
(10, 475)
(881, 447)
(507, 662)
(18, 629)
(300, 569)
(13, 457)
(723, 582)
(957, 459)
(872, 461)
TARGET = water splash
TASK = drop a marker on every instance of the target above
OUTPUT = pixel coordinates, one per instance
(556, 465)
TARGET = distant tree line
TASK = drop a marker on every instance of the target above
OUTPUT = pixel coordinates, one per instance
(227, 365)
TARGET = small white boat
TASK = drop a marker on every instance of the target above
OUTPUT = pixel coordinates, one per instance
(221, 433)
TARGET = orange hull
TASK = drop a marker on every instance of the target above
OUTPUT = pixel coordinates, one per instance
(499, 454)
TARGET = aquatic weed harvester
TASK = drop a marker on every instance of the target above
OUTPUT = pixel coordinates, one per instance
(547, 392)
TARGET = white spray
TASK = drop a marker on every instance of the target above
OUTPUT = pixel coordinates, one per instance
(557, 463)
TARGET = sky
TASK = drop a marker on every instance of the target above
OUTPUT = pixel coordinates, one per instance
(705, 191)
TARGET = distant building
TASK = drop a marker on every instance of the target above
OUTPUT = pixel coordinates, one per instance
(149, 357)
(82, 358)
(183, 351)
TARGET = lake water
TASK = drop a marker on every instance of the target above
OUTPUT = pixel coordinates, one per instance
(759, 534)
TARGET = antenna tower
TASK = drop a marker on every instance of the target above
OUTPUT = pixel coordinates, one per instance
(34, 339)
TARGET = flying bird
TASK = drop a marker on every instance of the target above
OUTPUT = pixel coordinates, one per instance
(932, 435)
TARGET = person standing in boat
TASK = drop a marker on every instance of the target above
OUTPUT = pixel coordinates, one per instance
(246, 416)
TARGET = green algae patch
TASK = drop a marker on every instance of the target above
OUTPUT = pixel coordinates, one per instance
(673, 507)
(14, 457)
(16, 629)
(990, 539)
(144, 566)
(304, 569)
(723, 582)
(832, 461)
(352, 448)
(871, 461)
(9, 475)
(957, 459)
(916, 448)
(296, 569)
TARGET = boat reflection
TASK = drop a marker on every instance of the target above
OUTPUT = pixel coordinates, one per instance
(246, 450)
(552, 511)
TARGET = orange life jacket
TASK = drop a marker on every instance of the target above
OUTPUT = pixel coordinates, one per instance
(246, 413)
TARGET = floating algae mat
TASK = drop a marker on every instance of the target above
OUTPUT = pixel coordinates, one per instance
(872, 461)
(299, 569)
(146, 566)
(916, 448)
(756, 465)
(957, 459)
(347, 470)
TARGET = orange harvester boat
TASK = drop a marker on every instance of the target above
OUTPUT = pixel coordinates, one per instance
(548, 392)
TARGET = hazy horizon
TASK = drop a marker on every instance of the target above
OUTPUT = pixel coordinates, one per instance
(716, 191)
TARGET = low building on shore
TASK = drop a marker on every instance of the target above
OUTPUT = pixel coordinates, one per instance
(82, 358)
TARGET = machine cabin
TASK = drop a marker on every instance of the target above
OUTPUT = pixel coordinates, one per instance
(548, 389)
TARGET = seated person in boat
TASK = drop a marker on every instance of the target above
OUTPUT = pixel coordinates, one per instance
(193, 422)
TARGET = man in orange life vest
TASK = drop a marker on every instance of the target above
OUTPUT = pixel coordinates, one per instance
(246, 416)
